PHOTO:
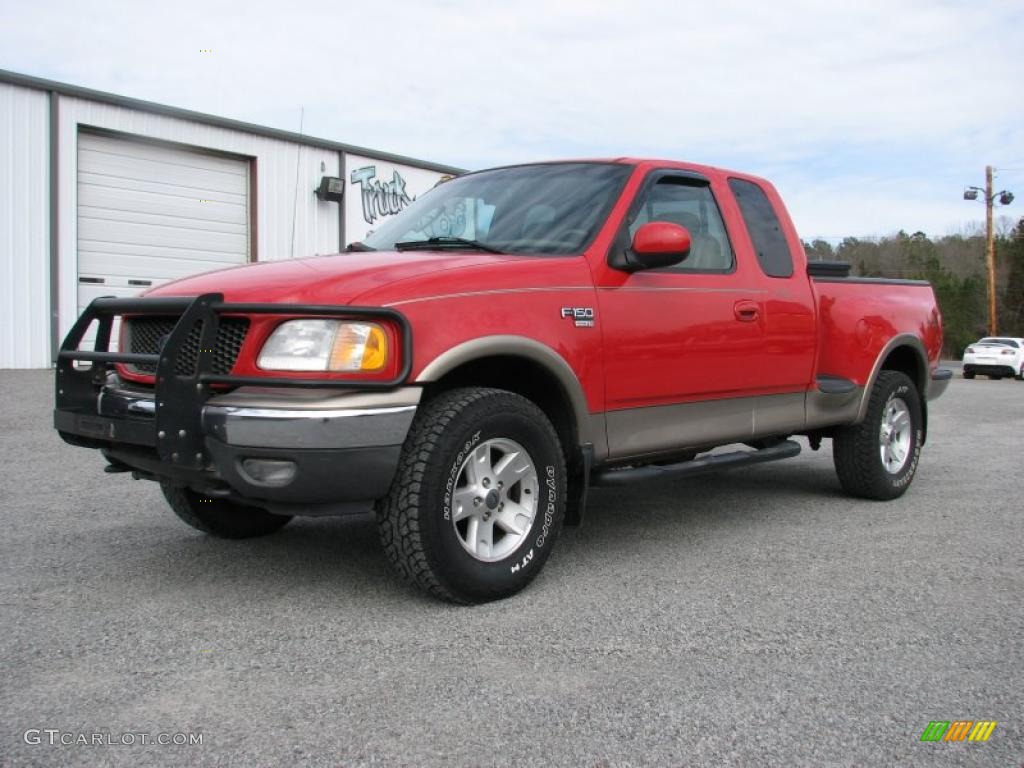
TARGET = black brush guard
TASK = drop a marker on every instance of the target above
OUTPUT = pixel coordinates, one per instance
(175, 428)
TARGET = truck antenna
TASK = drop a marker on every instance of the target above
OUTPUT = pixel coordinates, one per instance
(295, 199)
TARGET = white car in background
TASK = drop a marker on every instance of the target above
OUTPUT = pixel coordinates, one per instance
(995, 357)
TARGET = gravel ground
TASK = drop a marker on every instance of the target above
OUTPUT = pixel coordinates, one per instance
(758, 618)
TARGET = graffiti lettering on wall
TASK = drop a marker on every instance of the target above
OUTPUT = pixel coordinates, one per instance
(380, 198)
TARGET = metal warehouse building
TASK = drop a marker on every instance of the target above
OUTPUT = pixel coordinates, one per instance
(102, 195)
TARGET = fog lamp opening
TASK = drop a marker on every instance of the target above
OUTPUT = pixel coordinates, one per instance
(273, 472)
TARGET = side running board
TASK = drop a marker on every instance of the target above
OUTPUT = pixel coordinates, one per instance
(613, 477)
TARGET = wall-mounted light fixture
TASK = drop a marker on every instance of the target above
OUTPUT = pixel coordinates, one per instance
(331, 188)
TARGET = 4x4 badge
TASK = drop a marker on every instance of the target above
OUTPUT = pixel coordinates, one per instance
(583, 317)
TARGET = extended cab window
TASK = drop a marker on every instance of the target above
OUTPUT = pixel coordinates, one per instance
(688, 202)
(765, 230)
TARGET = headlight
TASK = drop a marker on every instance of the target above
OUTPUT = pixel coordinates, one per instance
(325, 345)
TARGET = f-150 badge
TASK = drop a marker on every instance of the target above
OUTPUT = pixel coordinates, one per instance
(583, 317)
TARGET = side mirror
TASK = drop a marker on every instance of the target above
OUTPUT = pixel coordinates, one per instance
(659, 244)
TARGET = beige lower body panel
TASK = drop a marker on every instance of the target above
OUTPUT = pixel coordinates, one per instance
(661, 429)
(657, 429)
(824, 410)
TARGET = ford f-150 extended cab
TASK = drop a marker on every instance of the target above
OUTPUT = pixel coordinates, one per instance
(510, 339)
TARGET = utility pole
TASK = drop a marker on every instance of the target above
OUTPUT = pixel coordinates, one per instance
(990, 255)
(1005, 198)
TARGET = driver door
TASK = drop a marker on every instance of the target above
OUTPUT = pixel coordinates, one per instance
(682, 342)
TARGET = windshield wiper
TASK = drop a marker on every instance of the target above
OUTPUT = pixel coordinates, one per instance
(444, 242)
(358, 246)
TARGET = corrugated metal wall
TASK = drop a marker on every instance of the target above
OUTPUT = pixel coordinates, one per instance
(24, 228)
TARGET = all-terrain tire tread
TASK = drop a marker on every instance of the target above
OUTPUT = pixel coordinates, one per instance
(398, 512)
(855, 448)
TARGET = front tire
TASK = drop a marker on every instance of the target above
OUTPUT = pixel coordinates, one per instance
(478, 499)
(968, 375)
(218, 517)
(877, 458)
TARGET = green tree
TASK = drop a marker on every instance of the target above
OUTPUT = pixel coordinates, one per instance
(862, 254)
(819, 250)
(1010, 254)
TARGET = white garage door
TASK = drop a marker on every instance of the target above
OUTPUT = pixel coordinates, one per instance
(149, 213)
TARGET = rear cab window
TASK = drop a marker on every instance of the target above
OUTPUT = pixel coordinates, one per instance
(764, 228)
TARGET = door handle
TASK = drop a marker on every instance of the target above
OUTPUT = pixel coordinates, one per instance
(746, 311)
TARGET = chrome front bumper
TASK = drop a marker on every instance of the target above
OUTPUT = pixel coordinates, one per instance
(266, 417)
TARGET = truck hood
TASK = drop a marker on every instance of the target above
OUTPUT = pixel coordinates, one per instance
(335, 279)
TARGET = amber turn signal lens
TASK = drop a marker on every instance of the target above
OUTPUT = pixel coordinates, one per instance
(359, 347)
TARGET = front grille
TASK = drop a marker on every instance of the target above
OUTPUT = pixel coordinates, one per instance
(145, 336)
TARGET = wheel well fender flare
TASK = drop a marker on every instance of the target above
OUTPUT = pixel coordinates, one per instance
(920, 377)
(516, 346)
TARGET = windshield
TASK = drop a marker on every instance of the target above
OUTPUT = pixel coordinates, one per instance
(551, 209)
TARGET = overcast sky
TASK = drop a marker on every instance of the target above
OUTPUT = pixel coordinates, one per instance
(869, 117)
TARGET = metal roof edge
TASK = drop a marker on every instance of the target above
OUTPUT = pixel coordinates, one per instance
(66, 89)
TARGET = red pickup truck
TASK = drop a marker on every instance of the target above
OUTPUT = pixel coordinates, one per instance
(511, 338)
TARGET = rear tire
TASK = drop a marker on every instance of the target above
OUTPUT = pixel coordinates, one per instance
(478, 499)
(877, 458)
(1020, 374)
(968, 375)
(221, 518)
